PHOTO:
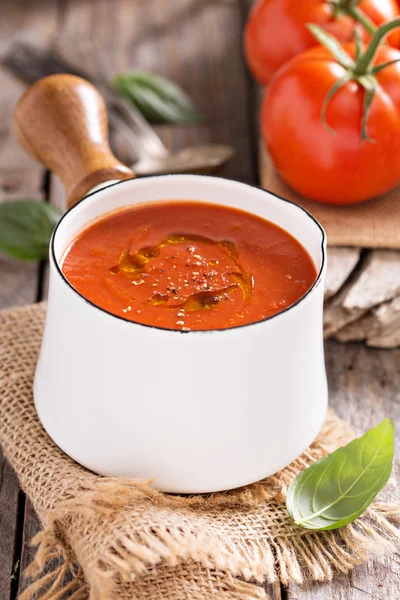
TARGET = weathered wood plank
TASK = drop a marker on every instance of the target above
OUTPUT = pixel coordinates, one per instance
(341, 263)
(31, 528)
(25, 20)
(172, 43)
(386, 333)
(377, 282)
(375, 581)
(380, 328)
(18, 282)
(273, 590)
(9, 491)
(364, 389)
(336, 317)
(20, 177)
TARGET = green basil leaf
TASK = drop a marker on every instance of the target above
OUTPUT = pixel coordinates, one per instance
(26, 227)
(157, 98)
(338, 488)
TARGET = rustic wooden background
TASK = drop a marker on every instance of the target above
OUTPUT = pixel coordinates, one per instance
(197, 43)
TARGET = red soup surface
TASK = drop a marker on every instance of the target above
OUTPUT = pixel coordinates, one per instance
(188, 265)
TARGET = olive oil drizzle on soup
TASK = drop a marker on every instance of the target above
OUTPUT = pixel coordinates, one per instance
(188, 265)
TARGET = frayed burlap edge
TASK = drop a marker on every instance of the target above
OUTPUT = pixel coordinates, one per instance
(121, 538)
(294, 555)
(306, 557)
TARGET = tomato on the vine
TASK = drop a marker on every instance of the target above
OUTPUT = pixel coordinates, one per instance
(331, 120)
(276, 29)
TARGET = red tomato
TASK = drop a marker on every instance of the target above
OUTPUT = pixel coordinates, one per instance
(333, 167)
(276, 32)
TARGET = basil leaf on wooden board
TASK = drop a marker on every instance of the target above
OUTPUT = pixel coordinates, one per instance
(26, 227)
(338, 488)
(157, 98)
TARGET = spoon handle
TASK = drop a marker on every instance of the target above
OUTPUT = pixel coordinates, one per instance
(142, 145)
(62, 121)
(127, 119)
(31, 64)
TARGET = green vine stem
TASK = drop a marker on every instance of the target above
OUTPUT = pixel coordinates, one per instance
(350, 8)
(359, 16)
(364, 64)
(360, 70)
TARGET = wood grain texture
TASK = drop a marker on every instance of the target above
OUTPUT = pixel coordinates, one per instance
(20, 177)
(366, 305)
(378, 282)
(9, 492)
(336, 316)
(35, 22)
(31, 528)
(380, 328)
(196, 43)
(364, 389)
(386, 321)
(375, 581)
(341, 263)
(273, 590)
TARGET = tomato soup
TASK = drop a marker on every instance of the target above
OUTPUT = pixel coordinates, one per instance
(188, 265)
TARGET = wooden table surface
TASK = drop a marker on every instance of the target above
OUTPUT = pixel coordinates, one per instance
(198, 44)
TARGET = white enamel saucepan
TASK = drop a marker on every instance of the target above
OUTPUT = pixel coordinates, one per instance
(200, 411)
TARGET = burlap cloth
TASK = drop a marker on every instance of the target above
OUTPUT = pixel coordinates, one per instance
(116, 538)
(373, 224)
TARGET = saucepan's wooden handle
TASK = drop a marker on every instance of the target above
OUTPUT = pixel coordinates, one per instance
(62, 121)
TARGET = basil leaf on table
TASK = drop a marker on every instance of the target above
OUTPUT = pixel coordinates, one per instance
(26, 227)
(338, 488)
(157, 98)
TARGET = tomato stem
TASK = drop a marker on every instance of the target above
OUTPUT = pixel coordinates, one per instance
(358, 15)
(361, 70)
(333, 45)
(358, 43)
(350, 8)
(334, 89)
(363, 65)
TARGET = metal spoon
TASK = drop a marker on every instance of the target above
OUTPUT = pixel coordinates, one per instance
(206, 158)
(32, 64)
(154, 158)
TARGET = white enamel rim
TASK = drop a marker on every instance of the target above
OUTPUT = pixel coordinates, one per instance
(278, 315)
